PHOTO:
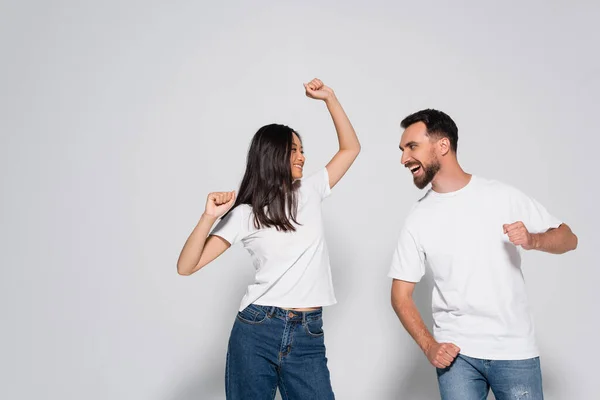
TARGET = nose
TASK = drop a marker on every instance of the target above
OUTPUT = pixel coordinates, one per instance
(301, 157)
(404, 159)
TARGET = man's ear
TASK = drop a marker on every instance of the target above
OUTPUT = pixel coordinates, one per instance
(444, 146)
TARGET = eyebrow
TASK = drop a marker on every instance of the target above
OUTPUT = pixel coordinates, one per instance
(407, 145)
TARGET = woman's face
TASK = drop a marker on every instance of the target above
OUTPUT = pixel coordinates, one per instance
(297, 158)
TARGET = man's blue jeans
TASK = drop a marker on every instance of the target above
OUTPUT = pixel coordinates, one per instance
(472, 378)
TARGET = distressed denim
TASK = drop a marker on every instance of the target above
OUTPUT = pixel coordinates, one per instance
(471, 378)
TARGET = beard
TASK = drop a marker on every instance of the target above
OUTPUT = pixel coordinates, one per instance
(429, 172)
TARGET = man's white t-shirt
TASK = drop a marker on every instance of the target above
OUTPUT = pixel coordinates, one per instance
(479, 300)
(292, 268)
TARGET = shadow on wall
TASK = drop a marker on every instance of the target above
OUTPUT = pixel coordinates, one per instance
(206, 379)
(551, 377)
(420, 381)
(208, 383)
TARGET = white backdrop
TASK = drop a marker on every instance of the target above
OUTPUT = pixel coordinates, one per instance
(118, 117)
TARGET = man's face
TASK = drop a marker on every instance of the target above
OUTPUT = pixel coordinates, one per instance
(419, 154)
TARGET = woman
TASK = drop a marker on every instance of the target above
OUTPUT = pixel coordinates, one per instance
(277, 338)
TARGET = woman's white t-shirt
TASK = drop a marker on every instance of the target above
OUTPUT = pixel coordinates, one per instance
(292, 268)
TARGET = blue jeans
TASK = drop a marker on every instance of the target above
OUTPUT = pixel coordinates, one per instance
(270, 347)
(470, 378)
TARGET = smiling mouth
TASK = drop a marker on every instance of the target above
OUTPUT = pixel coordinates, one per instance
(298, 166)
(414, 169)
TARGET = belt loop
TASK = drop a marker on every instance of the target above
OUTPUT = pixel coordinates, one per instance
(303, 317)
(272, 312)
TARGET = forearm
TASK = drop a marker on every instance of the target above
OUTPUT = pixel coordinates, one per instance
(194, 245)
(413, 323)
(346, 135)
(555, 241)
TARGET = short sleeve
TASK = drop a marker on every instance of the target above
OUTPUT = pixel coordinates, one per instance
(319, 182)
(534, 215)
(231, 227)
(408, 261)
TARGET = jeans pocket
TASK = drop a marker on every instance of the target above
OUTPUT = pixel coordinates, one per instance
(252, 315)
(314, 327)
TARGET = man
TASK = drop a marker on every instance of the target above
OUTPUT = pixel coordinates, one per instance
(468, 230)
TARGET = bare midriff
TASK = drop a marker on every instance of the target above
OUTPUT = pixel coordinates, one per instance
(303, 309)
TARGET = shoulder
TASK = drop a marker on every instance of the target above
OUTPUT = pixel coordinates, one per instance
(417, 212)
(499, 188)
(239, 212)
(493, 187)
(316, 184)
(315, 178)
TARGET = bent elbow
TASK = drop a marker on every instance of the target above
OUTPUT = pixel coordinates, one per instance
(183, 272)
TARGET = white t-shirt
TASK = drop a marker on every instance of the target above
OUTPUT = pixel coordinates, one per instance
(479, 300)
(292, 268)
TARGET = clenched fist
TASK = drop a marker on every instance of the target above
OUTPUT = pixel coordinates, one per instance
(315, 89)
(218, 203)
(519, 235)
(441, 355)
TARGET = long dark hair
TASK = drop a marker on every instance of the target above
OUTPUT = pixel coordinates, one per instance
(268, 185)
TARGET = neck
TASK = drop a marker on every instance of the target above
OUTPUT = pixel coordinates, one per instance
(450, 178)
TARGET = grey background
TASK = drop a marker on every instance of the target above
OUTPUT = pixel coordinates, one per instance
(117, 119)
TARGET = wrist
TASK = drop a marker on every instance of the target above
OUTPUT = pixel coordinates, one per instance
(331, 99)
(208, 218)
(535, 240)
(426, 346)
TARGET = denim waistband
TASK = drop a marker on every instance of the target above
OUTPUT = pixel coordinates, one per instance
(290, 315)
